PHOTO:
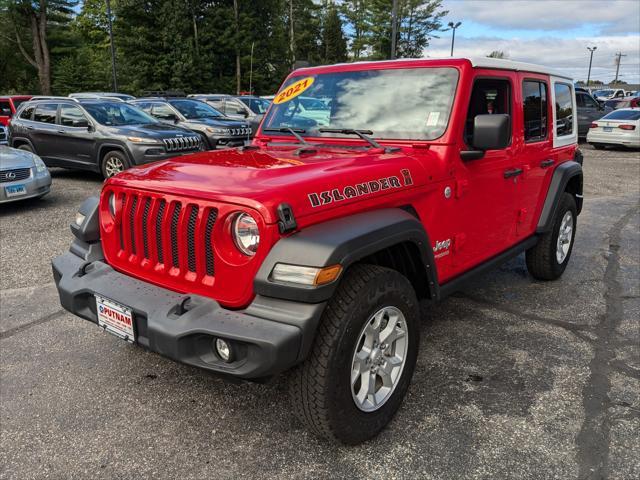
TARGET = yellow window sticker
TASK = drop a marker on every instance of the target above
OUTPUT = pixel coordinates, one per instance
(293, 90)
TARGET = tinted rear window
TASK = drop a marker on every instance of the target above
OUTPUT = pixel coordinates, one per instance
(564, 109)
(623, 115)
(46, 113)
(5, 108)
(27, 112)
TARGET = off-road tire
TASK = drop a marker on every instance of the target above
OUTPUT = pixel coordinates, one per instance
(113, 154)
(541, 259)
(320, 388)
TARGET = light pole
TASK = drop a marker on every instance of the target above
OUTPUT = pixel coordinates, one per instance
(453, 27)
(251, 71)
(591, 49)
(113, 50)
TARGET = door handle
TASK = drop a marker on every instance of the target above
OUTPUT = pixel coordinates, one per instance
(60, 131)
(547, 163)
(512, 173)
(30, 127)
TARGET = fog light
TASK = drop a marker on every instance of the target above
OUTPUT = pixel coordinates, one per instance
(79, 218)
(223, 349)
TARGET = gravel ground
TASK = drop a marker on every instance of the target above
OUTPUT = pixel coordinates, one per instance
(515, 379)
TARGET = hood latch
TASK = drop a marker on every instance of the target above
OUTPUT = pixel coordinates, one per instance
(286, 221)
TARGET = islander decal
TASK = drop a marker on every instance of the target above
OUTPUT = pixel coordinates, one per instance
(359, 189)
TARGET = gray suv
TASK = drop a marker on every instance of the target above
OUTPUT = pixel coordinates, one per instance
(96, 134)
(589, 110)
(214, 128)
(232, 107)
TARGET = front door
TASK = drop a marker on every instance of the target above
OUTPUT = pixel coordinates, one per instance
(76, 144)
(485, 188)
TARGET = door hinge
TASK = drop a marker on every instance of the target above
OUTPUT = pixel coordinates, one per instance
(522, 214)
(461, 187)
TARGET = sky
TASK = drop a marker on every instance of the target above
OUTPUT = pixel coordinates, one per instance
(555, 33)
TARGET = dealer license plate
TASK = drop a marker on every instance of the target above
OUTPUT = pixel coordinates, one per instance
(115, 318)
(15, 190)
(607, 129)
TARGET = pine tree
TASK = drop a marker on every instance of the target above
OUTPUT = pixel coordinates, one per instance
(334, 43)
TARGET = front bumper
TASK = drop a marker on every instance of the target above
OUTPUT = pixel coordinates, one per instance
(268, 337)
(37, 185)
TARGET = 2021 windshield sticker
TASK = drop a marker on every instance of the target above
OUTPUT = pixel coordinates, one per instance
(359, 189)
(293, 90)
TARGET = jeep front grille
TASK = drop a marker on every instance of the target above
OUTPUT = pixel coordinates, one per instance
(173, 233)
(180, 144)
(240, 131)
(15, 174)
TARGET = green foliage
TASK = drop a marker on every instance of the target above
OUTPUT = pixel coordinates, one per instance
(192, 45)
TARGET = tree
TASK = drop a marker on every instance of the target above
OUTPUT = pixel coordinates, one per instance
(334, 43)
(33, 22)
(498, 54)
(418, 20)
(358, 16)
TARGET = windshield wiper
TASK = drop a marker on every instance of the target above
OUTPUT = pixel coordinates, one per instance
(293, 131)
(350, 131)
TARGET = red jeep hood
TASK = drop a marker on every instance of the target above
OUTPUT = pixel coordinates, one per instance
(262, 179)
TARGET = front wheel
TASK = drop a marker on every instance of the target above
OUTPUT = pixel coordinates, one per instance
(548, 259)
(363, 357)
(113, 163)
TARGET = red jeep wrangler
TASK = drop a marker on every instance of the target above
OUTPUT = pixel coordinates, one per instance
(369, 187)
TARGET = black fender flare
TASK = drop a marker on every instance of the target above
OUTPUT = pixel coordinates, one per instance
(114, 146)
(561, 177)
(23, 140)
(344, 241)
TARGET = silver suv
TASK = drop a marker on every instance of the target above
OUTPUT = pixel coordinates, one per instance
(96, 134)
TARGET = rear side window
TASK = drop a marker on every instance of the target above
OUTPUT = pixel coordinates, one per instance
(5, 108)
(564, 109)
(623, 115)
(534, 96)
(45, 113)
(27, 113)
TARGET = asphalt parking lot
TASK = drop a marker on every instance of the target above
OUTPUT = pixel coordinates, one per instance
(515, 378)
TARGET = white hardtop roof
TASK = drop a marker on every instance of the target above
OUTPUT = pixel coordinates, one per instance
(476, 62)
(486, 62)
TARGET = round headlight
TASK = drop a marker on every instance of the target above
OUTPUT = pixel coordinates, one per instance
(246, 234)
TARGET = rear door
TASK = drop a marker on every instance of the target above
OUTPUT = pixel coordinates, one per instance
(43, 131)
(589, 111)
(535, 153)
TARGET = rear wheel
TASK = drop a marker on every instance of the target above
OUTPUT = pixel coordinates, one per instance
(548, 259)
(113, 163)
(26, 147)
(363, 357)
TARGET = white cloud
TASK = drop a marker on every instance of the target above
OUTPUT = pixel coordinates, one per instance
(610, 17)
(568, 55)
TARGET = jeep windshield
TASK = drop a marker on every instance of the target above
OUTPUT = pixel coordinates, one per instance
(117, 114)
(411, 103)
(194, 109)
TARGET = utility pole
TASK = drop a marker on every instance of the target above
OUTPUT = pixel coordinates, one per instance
(113, 48)
(619, 56)
(453, 27)
(251, 71)
(394, 28)
(236, 15)
(591, 49)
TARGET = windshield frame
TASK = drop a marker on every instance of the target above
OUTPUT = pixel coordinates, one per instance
(412, 64)
(86, 107)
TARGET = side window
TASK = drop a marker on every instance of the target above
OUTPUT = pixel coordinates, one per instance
(5, 108)
(580, 100)
(234, 108)
(564, 109)
(144, 106)
(489, 96)
(163, 111)
(27, 113)
(534, 96)
(589, 102)
(46, 113)
(216, 103)
(72, 116)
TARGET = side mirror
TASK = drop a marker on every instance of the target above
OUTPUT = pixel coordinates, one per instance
(491, 132)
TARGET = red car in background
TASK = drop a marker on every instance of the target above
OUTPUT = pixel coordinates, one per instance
(9, 105)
